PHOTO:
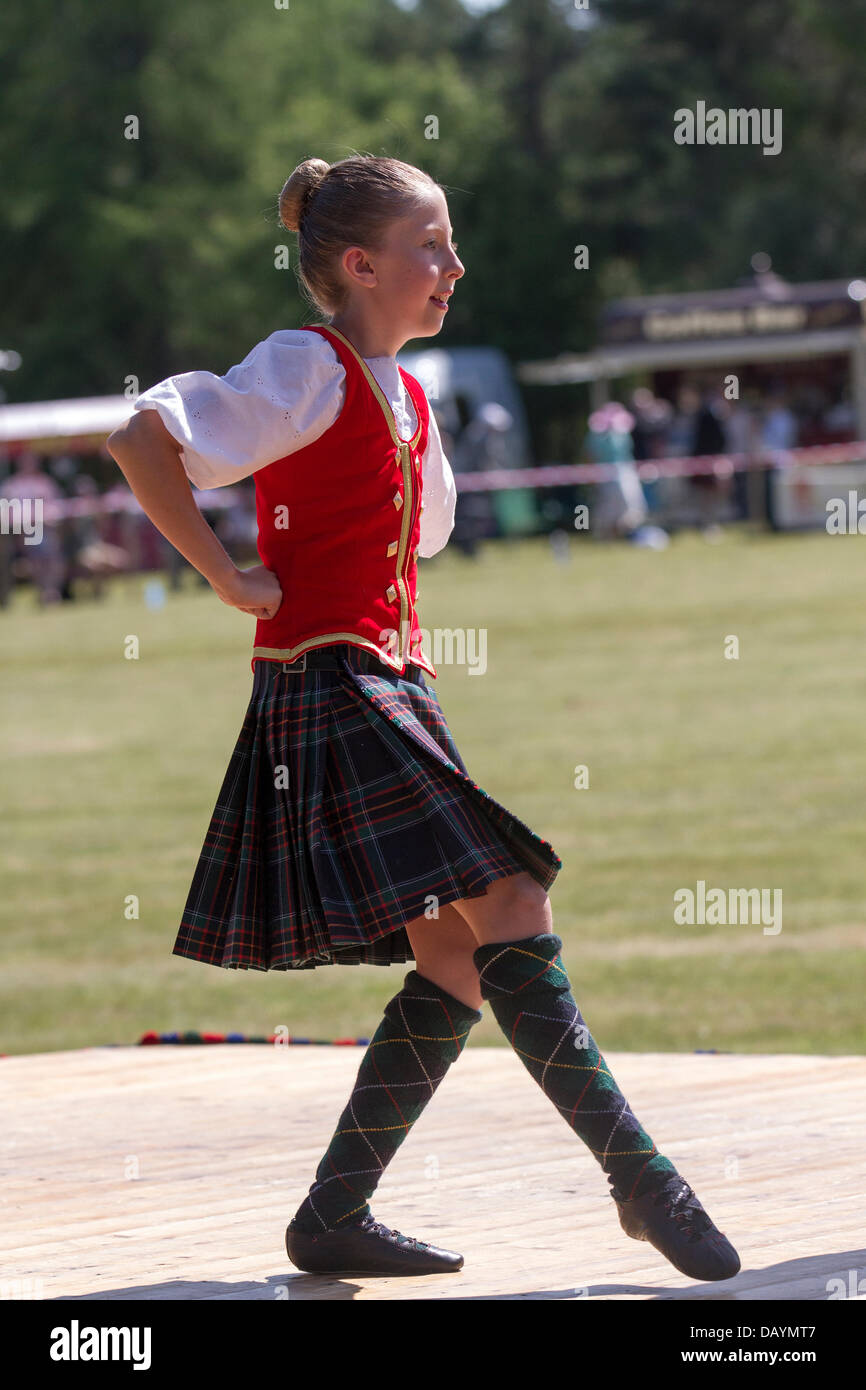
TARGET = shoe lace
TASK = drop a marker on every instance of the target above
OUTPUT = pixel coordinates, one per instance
(369, 1223)
(682, 1205)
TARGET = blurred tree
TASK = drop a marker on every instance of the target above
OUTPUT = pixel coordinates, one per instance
(157, 254)
(554, 128)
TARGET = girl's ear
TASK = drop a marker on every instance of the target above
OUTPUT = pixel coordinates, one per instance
(358, 267)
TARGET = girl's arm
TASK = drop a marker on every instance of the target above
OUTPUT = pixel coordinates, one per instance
(149, 458)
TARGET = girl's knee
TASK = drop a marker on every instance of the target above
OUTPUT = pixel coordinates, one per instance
(513, 907)
(527, 894)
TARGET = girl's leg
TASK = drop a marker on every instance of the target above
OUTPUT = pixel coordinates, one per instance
(522, 975)
(444, 948)
(423, 1031)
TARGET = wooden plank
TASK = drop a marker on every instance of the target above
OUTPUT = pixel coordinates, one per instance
(171, 1173)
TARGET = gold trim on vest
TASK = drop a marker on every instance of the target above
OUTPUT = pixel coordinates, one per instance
(326, 638)
(378, 393)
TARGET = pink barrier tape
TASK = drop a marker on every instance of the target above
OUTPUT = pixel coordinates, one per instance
(722, 465)
(503, 479)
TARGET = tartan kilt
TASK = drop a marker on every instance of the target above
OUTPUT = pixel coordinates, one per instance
(345, 810)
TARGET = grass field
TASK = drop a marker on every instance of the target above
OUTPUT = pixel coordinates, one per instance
(743, 773)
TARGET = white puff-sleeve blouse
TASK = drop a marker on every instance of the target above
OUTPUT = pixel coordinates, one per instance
(285, 393)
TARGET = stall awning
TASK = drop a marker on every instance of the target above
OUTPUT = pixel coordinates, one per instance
(605, 363)
(36, 422)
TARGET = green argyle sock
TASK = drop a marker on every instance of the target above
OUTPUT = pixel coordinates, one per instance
(423, 1031)
(529, 992)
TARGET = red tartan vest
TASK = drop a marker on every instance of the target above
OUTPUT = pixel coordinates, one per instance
(339, 523)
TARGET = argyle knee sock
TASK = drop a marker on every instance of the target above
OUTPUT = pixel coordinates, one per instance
(529, 992)
(423, 1031)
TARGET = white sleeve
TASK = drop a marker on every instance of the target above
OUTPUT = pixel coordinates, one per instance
(287, 391)
(439, 494)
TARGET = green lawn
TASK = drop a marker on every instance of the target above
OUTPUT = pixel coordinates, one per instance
(744, 773)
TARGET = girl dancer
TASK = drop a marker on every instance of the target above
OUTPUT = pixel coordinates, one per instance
(348, 828)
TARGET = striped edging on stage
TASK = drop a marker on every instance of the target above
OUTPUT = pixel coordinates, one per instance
(149, 1039)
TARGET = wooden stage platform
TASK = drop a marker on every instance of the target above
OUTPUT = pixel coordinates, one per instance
(170, 1172)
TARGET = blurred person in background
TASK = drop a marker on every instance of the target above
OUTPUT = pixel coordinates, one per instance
(683, 423)
(619, 509)
(697, 430)
(780, 429)
(742, 436)
(653, 416)
(477, 448)
(840, 422)
(90, 557)
(813, 404)
(709, 491)
(652, 421)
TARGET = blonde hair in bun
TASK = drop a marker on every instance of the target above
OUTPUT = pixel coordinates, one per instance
(298, 190)
(350, 203)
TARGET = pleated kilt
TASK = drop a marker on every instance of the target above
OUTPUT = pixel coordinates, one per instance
(346, 811)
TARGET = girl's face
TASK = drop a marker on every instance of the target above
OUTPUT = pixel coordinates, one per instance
(395, 290)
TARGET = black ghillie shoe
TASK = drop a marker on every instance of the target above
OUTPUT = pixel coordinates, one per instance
(673, 1220)
(367, 1247)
